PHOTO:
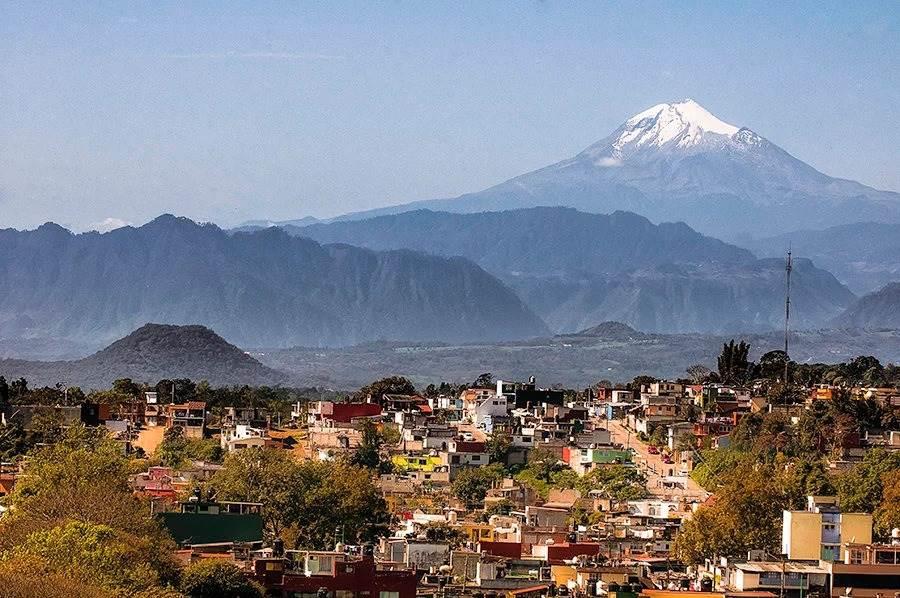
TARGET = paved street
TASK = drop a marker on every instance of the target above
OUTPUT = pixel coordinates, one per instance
(653, 466)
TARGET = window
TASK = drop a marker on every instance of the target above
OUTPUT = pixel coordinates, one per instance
(388, 594)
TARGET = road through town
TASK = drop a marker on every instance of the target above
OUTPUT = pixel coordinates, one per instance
(653, 467)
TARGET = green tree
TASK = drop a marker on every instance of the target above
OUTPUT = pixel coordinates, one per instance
(498, 446)
(18, 391)
(733, 362)
(216, 579)
(93, 553)
(500, 507)
(266, 476)
(887, 514)
(745, 516)
(861, 488)
(614, 481)
(78, 488)
(686, 441)
(472, 484)
(441, 532)
(30, 577)
(485, 380)
(659, 436)
(771, 365)
(13, 441)
(368, 453)
(306, 501)
(127, 387)
(176, 450)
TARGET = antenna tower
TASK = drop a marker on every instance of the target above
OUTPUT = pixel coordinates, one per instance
(789, 265)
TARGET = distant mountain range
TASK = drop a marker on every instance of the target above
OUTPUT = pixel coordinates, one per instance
(259, 288)
(877, 310)
(556, 250)
(149, 354)
(677, 161)
(863, 255)
(609, 351)
(576, 269)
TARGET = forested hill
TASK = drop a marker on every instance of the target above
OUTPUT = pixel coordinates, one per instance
(150, 353)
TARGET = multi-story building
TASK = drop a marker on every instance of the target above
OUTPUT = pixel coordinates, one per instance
(819, 532)
(190, 417)
(867, 570)
(337, 573)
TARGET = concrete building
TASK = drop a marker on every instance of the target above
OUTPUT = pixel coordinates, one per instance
(819, 532)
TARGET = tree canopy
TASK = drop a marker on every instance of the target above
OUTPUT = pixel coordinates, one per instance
(305, 503)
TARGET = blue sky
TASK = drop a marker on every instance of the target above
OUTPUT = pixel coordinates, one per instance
(228, 111)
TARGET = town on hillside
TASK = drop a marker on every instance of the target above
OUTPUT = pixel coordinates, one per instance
(735, 482)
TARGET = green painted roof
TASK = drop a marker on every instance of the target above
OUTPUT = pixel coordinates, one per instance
(200, 528)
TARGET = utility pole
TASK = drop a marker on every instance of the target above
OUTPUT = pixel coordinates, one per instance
(783, 567)
(789, 265)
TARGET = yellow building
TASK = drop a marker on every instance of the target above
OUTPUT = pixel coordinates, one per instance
(819, 532)
(478, 532)
(416, 462)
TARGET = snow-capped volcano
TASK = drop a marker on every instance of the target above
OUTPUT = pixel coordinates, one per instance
(685, 124)
(678, 161)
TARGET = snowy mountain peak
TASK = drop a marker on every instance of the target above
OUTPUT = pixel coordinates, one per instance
(680, 116)
(684, 125)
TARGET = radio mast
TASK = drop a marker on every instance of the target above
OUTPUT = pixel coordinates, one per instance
(789, 265)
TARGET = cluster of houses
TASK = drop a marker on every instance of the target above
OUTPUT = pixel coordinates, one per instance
(518, 541)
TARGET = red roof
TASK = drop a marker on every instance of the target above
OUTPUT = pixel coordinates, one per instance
(511, 550)
(470, 446)
(345, 412)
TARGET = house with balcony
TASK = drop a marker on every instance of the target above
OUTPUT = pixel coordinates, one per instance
(653, 411)
(243, 436)
(190, 417)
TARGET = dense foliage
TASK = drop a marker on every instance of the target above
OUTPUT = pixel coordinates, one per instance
(305, 503)
(73, 514)
(216, 579)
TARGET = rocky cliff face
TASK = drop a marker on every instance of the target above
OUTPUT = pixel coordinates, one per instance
(262, 288)
(576, 269)
(878, 310)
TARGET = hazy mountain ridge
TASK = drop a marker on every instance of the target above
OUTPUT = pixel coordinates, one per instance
(537, 241)
(149, 354)
(574, 360)
(575, 268)
(878, 310)
(863, 255)
(683, 298)
(258, 288)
